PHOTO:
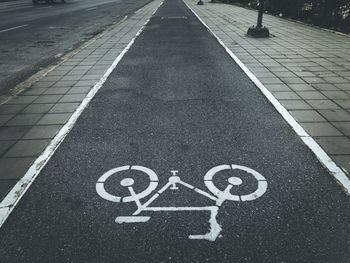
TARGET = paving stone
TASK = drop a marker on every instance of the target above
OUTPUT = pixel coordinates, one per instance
(313, 95)
(313, 80)
(85, 83)
(34, 91)
(58, 72)
(22, 100)
(91, 77)
(55, 118)
(343, 161)
(13, 133)
(52, 78)
(65, 84)
(343, 86)
(336, 80)
(42, 132)
(14, 168)
(335, 115)
(307, 116)
(336, 95)
(292, 80)
(5, 118)
(5, 187)
(56, 91)
(77, 72)
(344, 127)
(64, 107)
(286, 95)
(343, 103)
(79, 90)
(322, 104)
(320, 129)
(38, 108)
(72, 77)
(24, 119)
(5, 145)
(335, 145)
(284, 74)
(325, 87)
(43, 84)
(295, 104)
(27, 148)
(48, 99)
(73, 98)
(277, 87)
(11, 109)
(264, 75)
(301, 87)
(96, 72)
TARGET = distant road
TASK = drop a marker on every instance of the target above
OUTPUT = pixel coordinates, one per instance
(32, 35)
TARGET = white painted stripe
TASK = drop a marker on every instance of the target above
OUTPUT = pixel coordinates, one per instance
(13, 28)
(172, 208)
(132, 219)
(138, 10)
(322, 156)
(205, 194)
(17, 192)
(90, 9)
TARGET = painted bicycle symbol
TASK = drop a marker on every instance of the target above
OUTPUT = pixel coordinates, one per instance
(219, 196)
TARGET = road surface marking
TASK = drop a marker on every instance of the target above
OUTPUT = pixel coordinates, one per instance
(13, 28)
(321, 155)
(219, 197)
(11, 200)
(132, 219)
(90, 9)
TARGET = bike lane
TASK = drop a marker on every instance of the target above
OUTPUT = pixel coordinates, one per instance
(180, 123)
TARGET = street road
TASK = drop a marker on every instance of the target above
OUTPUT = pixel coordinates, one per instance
(178, 102)
(32, 36)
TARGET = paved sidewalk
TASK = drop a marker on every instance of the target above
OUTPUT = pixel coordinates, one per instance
(306, 68)
(29, 121)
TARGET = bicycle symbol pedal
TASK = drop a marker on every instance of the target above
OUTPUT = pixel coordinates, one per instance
(218, 195)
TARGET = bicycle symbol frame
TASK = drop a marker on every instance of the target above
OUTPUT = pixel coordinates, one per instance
(217, 195)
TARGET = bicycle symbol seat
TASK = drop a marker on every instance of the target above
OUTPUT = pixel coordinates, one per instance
(218, 195)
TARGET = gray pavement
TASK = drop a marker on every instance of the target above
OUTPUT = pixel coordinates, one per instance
(35, 36)
(170, 105)
(306, 68)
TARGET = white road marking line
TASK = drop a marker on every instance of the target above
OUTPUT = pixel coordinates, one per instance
(90, 9)
(11, 200)
(132, 219)
(13, 28)
(138, 10)
(322, 156)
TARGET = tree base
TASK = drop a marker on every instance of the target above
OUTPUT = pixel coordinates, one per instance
(258, 32)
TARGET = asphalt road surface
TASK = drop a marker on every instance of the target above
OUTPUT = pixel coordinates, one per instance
(33, 36)
(177, 101)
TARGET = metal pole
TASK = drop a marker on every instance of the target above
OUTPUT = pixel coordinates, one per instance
(261, 13)
(259, 30)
